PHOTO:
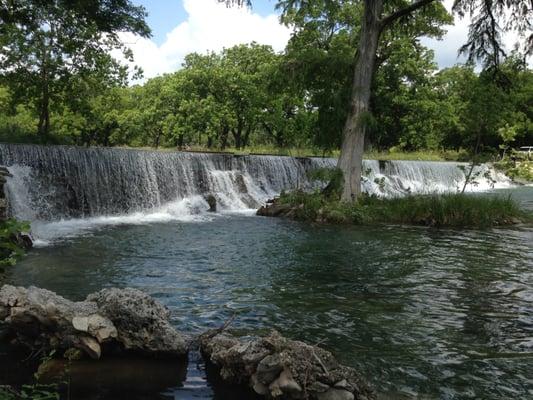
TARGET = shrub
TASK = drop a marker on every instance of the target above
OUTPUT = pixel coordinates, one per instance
(10, 248)
(451, 210)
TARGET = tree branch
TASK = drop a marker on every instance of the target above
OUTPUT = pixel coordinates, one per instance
(389, 19)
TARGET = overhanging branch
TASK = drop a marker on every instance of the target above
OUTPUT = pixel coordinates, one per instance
(389, 19)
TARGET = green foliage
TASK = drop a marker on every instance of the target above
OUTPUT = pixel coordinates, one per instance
(520, 170)
(248, 96)
(30, 392)
(10, 250)
(49, 46)
(450, 210)
(333, 177)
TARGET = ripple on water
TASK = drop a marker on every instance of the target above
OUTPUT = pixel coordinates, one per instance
(421, 312)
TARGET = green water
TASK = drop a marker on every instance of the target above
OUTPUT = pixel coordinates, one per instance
(421, 313)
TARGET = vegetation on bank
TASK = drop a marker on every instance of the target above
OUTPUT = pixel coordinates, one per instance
(391, 154)
(29, 392)
(520, 171)
(443, 210)
(12, 245)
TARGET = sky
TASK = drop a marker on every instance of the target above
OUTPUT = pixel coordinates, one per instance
(180, 27)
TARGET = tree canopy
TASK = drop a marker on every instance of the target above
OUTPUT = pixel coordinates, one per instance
(63, 80)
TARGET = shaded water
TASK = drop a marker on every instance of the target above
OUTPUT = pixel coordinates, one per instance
(420, 312)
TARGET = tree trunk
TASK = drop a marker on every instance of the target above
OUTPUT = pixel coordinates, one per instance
(237, 134)
(246, 138)
(224, 137)
(351, 158)
(43, 128)
(157, 138)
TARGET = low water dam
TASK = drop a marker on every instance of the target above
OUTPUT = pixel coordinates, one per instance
(420, 312)
(55, 182)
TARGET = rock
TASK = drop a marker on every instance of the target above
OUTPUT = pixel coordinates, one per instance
(259, 387)
(91, 347)
(127, 319)
(81, 323)
(101, 328)
(318, 387)
(276, 210)
(269, 369)
(212, 202)
(142, 323)
(24, 240)
(288, 385)
(275, 366)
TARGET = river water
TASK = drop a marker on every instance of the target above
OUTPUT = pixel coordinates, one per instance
(420, 312)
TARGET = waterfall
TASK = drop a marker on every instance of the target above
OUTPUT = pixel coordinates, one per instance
(51, 183)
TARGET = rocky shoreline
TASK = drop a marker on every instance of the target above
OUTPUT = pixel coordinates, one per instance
(115, 322)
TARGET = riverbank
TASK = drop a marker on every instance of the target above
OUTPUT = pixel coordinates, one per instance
(443, 210)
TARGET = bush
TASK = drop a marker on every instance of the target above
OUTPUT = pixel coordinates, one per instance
(449, 210)
(10, 247)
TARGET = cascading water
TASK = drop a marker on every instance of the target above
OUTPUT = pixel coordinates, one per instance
(57, 182)
(52, 183)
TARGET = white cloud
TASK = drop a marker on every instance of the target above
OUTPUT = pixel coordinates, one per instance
(210, 26)
(446, 50)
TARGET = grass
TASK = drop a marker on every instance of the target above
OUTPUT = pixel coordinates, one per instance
(448, 210)
(425, 155)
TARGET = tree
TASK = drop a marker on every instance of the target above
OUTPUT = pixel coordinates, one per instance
(47, 42)
(484, 44)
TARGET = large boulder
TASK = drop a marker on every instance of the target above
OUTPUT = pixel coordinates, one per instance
(276, 367)
(110, 320)
(142, 322)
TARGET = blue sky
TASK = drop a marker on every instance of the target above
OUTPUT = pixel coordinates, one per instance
(165, 15)
(180, 27)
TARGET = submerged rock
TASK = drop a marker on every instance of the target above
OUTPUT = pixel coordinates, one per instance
(276, 367)
(108, 321)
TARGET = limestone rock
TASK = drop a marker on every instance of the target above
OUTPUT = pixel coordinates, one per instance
(81, 323)
(127, 319)
(142, 322)
(91, 347)
(276, 367)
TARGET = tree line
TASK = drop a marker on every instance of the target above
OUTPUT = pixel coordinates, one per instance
(328, 90)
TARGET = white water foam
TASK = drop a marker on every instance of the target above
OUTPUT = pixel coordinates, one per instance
(190, 210)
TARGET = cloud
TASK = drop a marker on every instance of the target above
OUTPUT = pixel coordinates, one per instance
(447, 49)
(210, 26)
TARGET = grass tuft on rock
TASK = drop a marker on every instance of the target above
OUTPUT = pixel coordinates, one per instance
(444, 210)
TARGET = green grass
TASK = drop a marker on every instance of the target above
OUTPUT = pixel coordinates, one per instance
(425, 155)
(422, 155)
(448, 210)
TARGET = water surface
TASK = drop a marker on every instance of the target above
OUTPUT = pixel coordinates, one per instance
(421, 312)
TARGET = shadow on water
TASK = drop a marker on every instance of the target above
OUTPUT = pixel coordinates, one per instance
(119, 378)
